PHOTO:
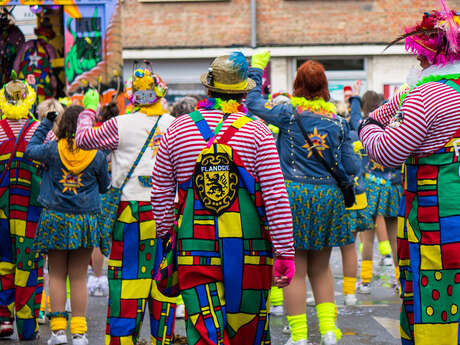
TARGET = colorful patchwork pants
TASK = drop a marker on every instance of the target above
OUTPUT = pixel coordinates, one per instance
(21, 271)
(132, 264)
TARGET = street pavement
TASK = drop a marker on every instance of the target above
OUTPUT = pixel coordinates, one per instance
(374, 320)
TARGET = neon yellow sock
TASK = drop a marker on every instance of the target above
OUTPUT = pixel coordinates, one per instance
(179, 300)
(49, 304)
(43, 301)
(349, 285)
(361, 245)
(276, 296)
(67, 285)
(397, 273)
(385, 248)
(78, 325)
(58, 323)
(327, 315)
(298, 325)
(366, 271)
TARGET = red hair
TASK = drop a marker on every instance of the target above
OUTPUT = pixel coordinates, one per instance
(311, 81)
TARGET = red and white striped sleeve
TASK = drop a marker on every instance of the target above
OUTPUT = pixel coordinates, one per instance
(163, 188)
(393, 145)
(274, 194)
(104, 137)
(385, 113)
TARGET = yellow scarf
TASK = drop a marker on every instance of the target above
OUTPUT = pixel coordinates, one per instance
(151, 110)
(75, 160)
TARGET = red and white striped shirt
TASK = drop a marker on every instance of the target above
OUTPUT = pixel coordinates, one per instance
(87, 137)
(431, 116)
(175, 162)
(16, 126)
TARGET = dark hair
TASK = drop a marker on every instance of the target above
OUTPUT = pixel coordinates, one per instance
(371, 101)
(183, 106)
(311, 81)
(228, 96)
(68, 124)
(109, 110)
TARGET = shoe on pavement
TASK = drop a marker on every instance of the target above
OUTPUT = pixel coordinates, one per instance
(103, 284)
(386, 260)
(286, 330)
(329, 338)
(277, 310)
(92, 284)
(364, 288)
(79, 339)
(57, 338)
(298, 342)
(350, 299)
(6, 329)
(41, 317)
(180, 311)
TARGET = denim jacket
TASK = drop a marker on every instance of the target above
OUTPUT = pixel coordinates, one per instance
(372, 170)
(297, 162)
(83, 197)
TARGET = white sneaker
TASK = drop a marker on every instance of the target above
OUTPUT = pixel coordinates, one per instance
(298, 342)
(386, 260)
(92, 284)
(364, 288)
(350, 299)
(103, 284)
(79, 339)
(329, 338)
(277, 310)
(180, 311)
(57, 338)
(286, 330)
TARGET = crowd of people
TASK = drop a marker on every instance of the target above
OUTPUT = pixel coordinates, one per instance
(248, 196)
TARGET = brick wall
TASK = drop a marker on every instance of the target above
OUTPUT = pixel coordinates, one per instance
(280, 22)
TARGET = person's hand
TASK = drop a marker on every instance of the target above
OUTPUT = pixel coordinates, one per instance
(91, 99)
(357, 87)
(284, 271)
(260, 60)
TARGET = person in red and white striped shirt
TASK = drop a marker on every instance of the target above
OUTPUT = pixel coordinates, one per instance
(176, 163)
(421, 127)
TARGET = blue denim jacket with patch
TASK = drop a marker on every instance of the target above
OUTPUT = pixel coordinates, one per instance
(89, 183)
(297, 161)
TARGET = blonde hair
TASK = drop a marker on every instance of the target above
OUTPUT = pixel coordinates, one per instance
(50, 105)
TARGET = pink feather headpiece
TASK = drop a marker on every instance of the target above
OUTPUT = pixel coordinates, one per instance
(437, 37)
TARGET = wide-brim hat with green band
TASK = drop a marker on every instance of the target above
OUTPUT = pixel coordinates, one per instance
(228, 74)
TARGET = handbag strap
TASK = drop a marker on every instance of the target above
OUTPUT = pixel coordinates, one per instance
(15, 147)
(315, 151)
(141, 153)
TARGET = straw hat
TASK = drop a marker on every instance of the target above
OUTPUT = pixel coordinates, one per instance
(228, 74)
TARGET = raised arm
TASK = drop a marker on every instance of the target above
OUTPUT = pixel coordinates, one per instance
(36, 149)
(104, 137)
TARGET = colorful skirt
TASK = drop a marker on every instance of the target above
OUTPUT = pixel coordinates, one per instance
(383, 200)
(70, 231)
(360, 220)
(319, 216)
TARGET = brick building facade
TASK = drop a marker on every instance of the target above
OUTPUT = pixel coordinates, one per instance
(181, 38)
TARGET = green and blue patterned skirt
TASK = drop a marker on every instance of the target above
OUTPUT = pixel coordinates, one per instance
(70, 231)
(382, 199)
(319, 216)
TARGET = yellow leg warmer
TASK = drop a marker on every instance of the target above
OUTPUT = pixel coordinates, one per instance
(58, 323)
(366, 271)
(349, 285)
(298, 325)
(276, 296)
(327, 315)
(78, 325)
(385, 248)
(43, 301)
(68, 287)
(397, 273)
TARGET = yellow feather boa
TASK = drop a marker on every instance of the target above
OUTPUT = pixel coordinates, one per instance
(18, 111)
(318, 105)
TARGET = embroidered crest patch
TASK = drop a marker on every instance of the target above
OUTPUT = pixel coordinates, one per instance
(319, 142)
(397, 120)
(216, 181)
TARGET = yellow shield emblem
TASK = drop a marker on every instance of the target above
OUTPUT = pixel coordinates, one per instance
(216, 182)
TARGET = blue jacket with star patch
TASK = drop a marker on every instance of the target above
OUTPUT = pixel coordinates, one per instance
(60, 190)
(330, 134)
